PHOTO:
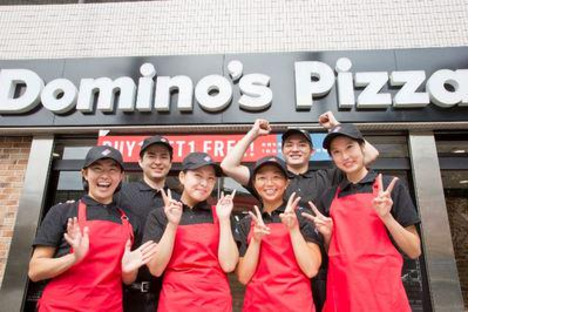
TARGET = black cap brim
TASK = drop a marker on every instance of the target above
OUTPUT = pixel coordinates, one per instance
(216, 167)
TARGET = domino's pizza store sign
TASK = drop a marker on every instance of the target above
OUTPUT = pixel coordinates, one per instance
(372, 86)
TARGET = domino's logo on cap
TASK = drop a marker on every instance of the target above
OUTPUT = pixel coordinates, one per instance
(273, 159)
(207, 158)
(336, 129)
(164, 140)
(106, 152)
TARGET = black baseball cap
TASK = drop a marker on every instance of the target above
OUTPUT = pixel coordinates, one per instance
(197, 160)
(269, 160)
(348, 130)
(156, 139)
(97, 153)
(292, 131)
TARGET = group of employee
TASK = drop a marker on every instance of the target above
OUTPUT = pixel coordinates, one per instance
(321, 240)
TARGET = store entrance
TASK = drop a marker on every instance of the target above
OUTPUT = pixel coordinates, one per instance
(65, 184)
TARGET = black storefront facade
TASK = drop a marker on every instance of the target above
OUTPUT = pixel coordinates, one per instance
(410, 103)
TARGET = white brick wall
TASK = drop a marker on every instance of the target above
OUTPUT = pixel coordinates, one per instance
(221, 26)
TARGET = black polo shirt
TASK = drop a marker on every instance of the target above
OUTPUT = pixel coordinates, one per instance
(157, 221)
(53, 227)
(138, 199)
(308, 185)
(243, 227)
(403, 209)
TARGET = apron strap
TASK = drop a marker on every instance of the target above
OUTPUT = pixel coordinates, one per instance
(126, 225)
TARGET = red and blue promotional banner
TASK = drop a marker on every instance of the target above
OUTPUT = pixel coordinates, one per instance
(216, 145)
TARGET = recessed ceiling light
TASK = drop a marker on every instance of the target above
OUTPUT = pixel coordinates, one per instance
(458, 151)
(463, 182)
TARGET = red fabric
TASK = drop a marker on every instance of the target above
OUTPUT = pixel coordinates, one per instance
(94, 284)
(278, 283)
(364, 272)
(194, 279)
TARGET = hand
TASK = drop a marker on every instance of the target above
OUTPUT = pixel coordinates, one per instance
(261, 127)
(383, 203)
(260, 229)
(323, 224)
(225, 206)
(78, 241)
(288, 217)
(173, 209)
(327, 120)
(133, 260)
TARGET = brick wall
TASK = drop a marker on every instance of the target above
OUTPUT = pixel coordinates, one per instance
(222, 26)
(14, 153)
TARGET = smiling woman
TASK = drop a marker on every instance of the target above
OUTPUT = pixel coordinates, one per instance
(74, 264)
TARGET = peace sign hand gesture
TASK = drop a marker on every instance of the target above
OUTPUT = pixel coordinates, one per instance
(225, 206)
(383, 203)
(260, 228)
(288, 217)
(323, 224)
(173, 209)
(78, 241)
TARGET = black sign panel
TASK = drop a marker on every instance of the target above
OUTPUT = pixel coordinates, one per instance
(278, 66)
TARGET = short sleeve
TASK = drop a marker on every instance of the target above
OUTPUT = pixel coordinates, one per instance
(53, 227)
(155, 226)
(307, 228)
(404, 210)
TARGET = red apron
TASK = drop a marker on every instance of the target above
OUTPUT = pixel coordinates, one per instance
(278, 283)
(94, 284)
(364, 270)
(194, 279)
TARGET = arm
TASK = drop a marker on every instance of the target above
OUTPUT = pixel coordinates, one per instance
(406, 238)
(228, 254)
(232, 163)
(249, 262)
(328, 121)
(173, 211)
(42, 264)
(307, 254)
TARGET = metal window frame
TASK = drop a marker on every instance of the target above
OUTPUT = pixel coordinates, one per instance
(444, 285)
(31, 204)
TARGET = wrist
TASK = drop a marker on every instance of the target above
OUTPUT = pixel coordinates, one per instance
(172, 226)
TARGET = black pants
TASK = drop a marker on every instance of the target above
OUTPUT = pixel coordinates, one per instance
(137, 301)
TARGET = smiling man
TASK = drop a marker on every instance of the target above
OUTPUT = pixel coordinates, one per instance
(297, 149)
(139, 199)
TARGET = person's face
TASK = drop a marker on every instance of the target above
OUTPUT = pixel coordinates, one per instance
(198, 183)
(156, 162)
(347, 154)
(296, 150)
(270, 183)
(103, 178)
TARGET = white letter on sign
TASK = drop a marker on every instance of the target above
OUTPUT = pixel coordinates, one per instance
(306, 89)
(446, 98)
(63, 88)
(213, 83)
(410, 82)
(256, 95)
(9, 80)
(370, 96)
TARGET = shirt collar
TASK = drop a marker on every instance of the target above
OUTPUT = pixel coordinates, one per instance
(204, 205)
(369, 178)
(306, 174)
(143, 186)
(278, 210)
(89, 201)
